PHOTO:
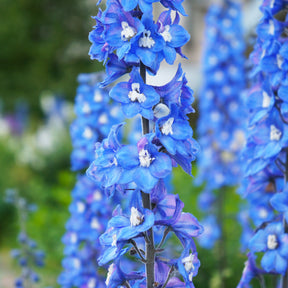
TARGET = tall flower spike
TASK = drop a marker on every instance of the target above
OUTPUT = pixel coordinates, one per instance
(28, 255)
(89, 209)
(138, 172)
(266, 149)
(221, 104)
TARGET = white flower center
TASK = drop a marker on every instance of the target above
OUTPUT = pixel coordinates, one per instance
(275, 134)
(167, 127)
(127, 32)
(215, 116)
(92, 283)
(95, 224)
(280, 61)
(98, 96)
(80, 207)
(114, 242)
(272, 242)
(263, 213)
(136, 217)
(188, 262)
(271, 27)
(227, 157)
(86, 108)
(88, 133)
(272, 3)
(109, 274)
(73, 238)
(266, 100)
(166, 34)
(146, 41)
(76, 263)
(97, 196)
(103, 119)
(135, 95)
(145, 158)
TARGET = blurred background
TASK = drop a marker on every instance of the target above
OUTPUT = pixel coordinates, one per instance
(44, 46)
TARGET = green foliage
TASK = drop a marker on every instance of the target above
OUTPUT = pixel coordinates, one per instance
(44, 46)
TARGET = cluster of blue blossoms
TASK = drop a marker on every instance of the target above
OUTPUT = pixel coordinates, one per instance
(89, 209)
(127, 39)
(28, 255)
(266, 148)
(220, 105)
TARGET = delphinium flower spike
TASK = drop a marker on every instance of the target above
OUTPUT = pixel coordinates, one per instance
(89, 209)
(267, 144)
(128, 40)
(28, 255)
(220, 105)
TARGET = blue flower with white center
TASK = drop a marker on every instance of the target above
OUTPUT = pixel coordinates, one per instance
(106, 161)
(174, 35)
(116, 277)
(188, 264)
(121, 29)
(143, 164)
(274, 243)
(173, 131)
(135, 96)
(125, 227)
(149, 45)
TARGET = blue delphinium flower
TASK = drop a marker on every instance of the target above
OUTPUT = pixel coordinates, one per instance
(266, 149)
(138, 172)
(94, 119)
(89, 209)
(28, 255)
(221, 106)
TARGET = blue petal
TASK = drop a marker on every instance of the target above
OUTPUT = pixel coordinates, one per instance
(144, 180)
(161, 166)
(127, 156)
(129, 5)
(268, 261)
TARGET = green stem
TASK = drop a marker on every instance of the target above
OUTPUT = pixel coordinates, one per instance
(149, 245)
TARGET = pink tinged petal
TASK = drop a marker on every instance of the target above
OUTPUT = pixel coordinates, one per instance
(188, 225)
(161, 166)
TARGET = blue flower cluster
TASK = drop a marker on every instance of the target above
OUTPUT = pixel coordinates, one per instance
(94, 119)
(266, 148)
(28, 255)
(221, 105)
(89, 209)
(127, 39)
